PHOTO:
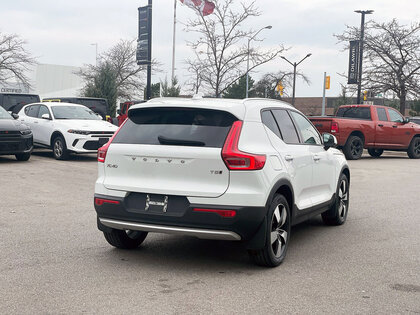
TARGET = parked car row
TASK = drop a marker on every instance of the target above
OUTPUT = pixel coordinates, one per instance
(63, 127)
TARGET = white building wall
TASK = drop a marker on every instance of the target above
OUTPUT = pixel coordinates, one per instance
(57, 81)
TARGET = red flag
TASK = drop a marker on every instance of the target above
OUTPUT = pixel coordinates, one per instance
(205, 7)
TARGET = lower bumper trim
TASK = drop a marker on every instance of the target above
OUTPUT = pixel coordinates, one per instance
(200, 233)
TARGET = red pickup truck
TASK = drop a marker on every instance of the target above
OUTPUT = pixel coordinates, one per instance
(376, 128)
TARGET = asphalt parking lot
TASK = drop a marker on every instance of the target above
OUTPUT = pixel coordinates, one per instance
(54, 260)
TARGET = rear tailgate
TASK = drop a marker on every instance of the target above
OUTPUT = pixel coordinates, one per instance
(170, 151)
(323, 124)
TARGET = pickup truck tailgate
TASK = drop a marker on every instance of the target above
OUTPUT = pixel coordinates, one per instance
(322, 124)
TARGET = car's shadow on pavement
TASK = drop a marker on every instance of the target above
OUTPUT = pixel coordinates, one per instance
(72, 157)
(188, 254)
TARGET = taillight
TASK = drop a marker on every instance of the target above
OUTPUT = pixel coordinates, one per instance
(236, 159)
(334, 127)
(103, 150)
(223, 213)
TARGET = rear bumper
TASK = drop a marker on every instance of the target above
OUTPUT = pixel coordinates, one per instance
(182, 220)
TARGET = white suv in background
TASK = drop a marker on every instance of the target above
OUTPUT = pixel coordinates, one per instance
(241, 170)
(66, 128)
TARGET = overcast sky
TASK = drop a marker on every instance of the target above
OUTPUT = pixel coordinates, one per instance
(61, 32)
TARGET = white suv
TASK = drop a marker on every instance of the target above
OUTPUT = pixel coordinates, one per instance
(66, 128)
(241, 170)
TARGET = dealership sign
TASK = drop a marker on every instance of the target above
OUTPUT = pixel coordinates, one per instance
(143, 53)
(353, 62)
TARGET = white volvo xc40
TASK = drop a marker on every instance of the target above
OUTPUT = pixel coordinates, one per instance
(66, 128)
(240, 170)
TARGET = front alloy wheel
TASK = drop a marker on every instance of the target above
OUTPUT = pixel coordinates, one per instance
(278, 230)
(337, 214)
(353, 149)
(59, 148)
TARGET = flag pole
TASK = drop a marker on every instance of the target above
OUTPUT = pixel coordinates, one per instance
(173, 44)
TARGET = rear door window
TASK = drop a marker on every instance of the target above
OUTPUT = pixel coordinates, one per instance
(287, 128)
(176, 126)
(381, 114)
(354, 112)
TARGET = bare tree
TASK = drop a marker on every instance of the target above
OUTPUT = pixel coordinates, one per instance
(121, 58)
(392, 60)
(221, 48)
(15, 60)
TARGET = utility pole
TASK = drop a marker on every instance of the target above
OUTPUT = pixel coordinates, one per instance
(173, 44)
(149, 57)
(294, 65)
(362, 35)
(323, 95)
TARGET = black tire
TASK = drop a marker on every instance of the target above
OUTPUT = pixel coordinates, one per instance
(277, 235)
(375, 152)
(125, 239)
(414, 148)
(337, 214)
(23, 156)
(59, 148)
(353, 149)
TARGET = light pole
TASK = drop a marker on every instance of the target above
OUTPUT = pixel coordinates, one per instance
(294, 64)
(362, 35)
(96, 52)
(247, 63)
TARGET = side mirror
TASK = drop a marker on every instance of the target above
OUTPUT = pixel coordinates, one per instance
(330, 141)
(118, 111)
(15, 116)
(46, 116)
(406, 120)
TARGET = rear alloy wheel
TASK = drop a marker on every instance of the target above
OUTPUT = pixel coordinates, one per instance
(414, 148)
(23, 156)
(353, 149)
(375, 152)
(277, 236)
(59, 148)
(125, 239)
(337, 214)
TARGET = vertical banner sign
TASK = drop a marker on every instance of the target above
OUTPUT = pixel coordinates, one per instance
(353, 62)
(327, 82)
(143, 42)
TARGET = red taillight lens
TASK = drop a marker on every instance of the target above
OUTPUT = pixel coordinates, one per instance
(103, 150)
(334, 127)
(223, 213)
(236, 159)
(100, 201)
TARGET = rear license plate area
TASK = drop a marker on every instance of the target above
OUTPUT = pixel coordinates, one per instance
(156, 204)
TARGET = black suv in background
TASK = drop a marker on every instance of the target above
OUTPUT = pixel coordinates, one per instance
(13, 102)
(97, 105)
(15, 137)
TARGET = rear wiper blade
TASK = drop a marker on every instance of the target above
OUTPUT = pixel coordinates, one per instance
(168, 141)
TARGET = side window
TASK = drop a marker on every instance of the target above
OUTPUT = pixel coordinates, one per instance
(268, 120)
(43, 110)
(394, 116)
(381, 114)
(287, 128)
(308, 132)
(32, 111)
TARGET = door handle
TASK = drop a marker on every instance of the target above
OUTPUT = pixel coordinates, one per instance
(316, 157)
(288, 158)
(380, 125)
(35, 122)
(394, 126)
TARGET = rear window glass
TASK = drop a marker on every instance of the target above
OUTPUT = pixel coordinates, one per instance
(176, 126)
(15, 102)
(354, 112)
